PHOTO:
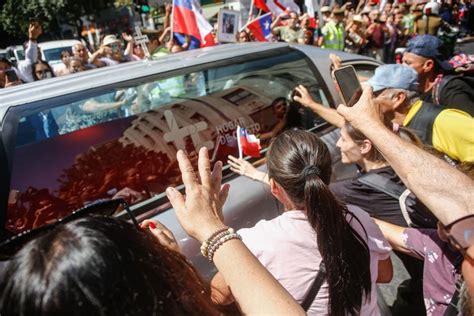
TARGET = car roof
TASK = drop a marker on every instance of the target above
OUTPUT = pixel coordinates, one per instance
(46, 89)
(56, 44)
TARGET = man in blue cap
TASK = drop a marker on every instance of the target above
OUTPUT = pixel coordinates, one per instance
(450, 131)
(424, 54)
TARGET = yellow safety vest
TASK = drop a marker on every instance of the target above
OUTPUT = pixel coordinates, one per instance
(334, 36)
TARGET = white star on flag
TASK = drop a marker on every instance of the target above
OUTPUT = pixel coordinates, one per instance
(267, 25)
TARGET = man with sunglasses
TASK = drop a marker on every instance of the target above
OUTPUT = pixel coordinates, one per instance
(447, 192)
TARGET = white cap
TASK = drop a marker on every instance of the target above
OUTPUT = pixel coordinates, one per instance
(433, 7)
(325, 9)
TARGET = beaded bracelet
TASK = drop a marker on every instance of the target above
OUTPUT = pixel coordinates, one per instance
(212, 250)
(205, 244)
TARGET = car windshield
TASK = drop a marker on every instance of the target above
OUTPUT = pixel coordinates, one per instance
(123, 141)
(54, 54)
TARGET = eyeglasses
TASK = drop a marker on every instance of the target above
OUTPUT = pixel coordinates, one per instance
(460, 234)
(102, 208)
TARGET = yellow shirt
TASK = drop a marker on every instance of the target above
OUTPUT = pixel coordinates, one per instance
(453, 132)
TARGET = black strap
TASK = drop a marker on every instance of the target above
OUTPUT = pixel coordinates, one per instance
(382, 184)
(318, 281)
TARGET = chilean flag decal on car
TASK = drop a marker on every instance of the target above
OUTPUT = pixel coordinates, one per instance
(248, 143)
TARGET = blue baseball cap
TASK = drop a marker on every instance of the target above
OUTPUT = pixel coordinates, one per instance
(394, 76)
(428, 46)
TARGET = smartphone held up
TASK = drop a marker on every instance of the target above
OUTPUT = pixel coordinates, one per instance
(348, 83)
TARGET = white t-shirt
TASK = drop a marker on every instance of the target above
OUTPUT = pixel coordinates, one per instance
(287, 247)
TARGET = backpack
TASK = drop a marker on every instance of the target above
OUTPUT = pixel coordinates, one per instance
(437, 92)
(463, 69)
(415, 213)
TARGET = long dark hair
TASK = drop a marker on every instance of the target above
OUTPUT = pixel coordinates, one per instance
(301, 164)
(101, 266)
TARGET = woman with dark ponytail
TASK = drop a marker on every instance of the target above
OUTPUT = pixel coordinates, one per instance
(315, 227)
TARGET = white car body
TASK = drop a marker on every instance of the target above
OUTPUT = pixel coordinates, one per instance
(51, 51)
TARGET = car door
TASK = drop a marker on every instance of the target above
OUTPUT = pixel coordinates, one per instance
(121, 140)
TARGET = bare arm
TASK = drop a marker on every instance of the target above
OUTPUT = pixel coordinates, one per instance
(329, 115)
(220, 291)
(245, 168)
(167, 18)
(165, 33)
(394, 235)
(447, 192)
(92, 106)
(130, 41)
(274, 24)
(94, 59)
(255, 290)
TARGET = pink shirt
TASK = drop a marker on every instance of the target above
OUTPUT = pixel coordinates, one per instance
(287, 247)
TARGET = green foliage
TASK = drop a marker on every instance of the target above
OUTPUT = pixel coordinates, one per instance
(15, 15)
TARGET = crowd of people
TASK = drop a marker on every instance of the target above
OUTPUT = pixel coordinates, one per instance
(381, 32)
(411, 136)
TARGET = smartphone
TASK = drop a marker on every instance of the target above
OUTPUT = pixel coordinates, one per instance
(11, 75)
(349, 85)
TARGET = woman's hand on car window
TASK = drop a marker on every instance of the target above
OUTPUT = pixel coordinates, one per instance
(162, 233)
(245, 168)
(200, 212)
(303, 96)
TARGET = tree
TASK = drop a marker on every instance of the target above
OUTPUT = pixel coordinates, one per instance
(15, 15)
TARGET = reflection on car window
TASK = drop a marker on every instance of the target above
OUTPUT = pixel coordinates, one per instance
(123, 143)
(364, 71)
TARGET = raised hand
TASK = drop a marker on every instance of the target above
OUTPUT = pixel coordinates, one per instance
(128, 38)
(365, 111)
(200, 212)
(303, 96)
(244, 168)
(34, 30)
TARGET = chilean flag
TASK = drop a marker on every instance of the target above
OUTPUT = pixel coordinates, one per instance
(189, 20)
(277, 6)
(261, 28)
(248, 143)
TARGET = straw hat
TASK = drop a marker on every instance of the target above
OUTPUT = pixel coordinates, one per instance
(110, 39)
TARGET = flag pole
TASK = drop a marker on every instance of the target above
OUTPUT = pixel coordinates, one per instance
(238, 142)
(250, 12)
(172, 21)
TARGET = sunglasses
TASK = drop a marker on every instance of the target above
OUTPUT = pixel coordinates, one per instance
(460, 234)
(114, 46)
(101, 208)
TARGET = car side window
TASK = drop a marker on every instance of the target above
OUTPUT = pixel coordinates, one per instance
(123, 142)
